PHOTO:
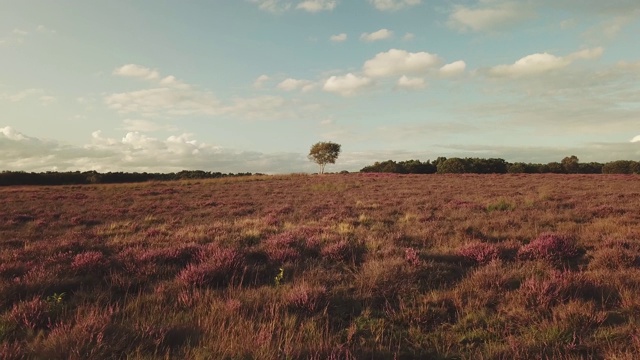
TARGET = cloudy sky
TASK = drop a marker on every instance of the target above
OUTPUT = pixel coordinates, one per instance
(250, 85)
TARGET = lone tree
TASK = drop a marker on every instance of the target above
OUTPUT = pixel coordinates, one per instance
(324, 153)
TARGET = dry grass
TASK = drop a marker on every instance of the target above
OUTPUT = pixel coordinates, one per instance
(372, 266)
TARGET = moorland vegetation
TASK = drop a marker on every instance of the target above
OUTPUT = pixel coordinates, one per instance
(358, 266)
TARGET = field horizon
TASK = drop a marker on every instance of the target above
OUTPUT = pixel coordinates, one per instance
(333, 266)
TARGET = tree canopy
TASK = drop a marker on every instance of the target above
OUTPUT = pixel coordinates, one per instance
(323, 153)
(443, 165)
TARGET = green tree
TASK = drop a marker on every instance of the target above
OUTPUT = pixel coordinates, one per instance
(324, 153)
(452, 166)
(570, 164)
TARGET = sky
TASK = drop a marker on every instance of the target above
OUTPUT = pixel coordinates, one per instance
(250, 85)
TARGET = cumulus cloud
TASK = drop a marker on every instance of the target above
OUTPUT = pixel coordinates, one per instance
(273, 6)
(635, 139)
(408, 83)
(400, 62)
(543, 62)
(489, 15)
(295, 84)
(10, 133)
(455, 68)
(381, 34)
(339, 37)
(259, 82)
(137, 71)
(391, 5)
(173, 81)
(317, 5)
(172, 97)
(138, 152)
(346, 85)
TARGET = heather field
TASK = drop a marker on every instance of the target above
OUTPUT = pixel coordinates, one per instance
(356, 266)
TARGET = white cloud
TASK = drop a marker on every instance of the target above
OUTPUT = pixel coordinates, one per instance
(635, 139)
(259, 83)
(10, 133)
(339, 37)
(455, 68)
(408, 83)
(272, 5)
(44, 29)
(172, 81)
(171, 101)
(139, 152)
(532, 65)
(137, 71)
(408, 36)
(400, 62)
(543, 62)
(47, 100)
(174, 98)
(22, 95)
(295, 84)
(143, 125)
(16, 36)
(20, 32)
(346, 85)
(261, 107)
(179, 102)
(317, 5)
(381, 34)
(490, 15)
(328, 121)
(586, 54)
(390, 5)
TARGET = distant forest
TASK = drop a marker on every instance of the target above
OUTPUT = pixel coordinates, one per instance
(443, 165)
(94, 177)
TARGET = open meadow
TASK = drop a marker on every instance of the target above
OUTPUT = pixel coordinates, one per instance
(355, 266)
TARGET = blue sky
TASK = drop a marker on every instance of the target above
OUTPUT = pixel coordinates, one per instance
(250, 85)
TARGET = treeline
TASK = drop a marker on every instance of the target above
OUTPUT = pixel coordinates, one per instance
(443, 165)
(94, 177)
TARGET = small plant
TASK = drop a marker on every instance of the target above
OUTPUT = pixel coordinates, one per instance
(217, 268)
(412, 257)
(56, 304)
(90, 262)
(501, 205)
(480, 252)
(34, 314)
(306, 298)
(55, 299)
(551, 247)
(283, 247)
(278, 279)
(11, 351)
